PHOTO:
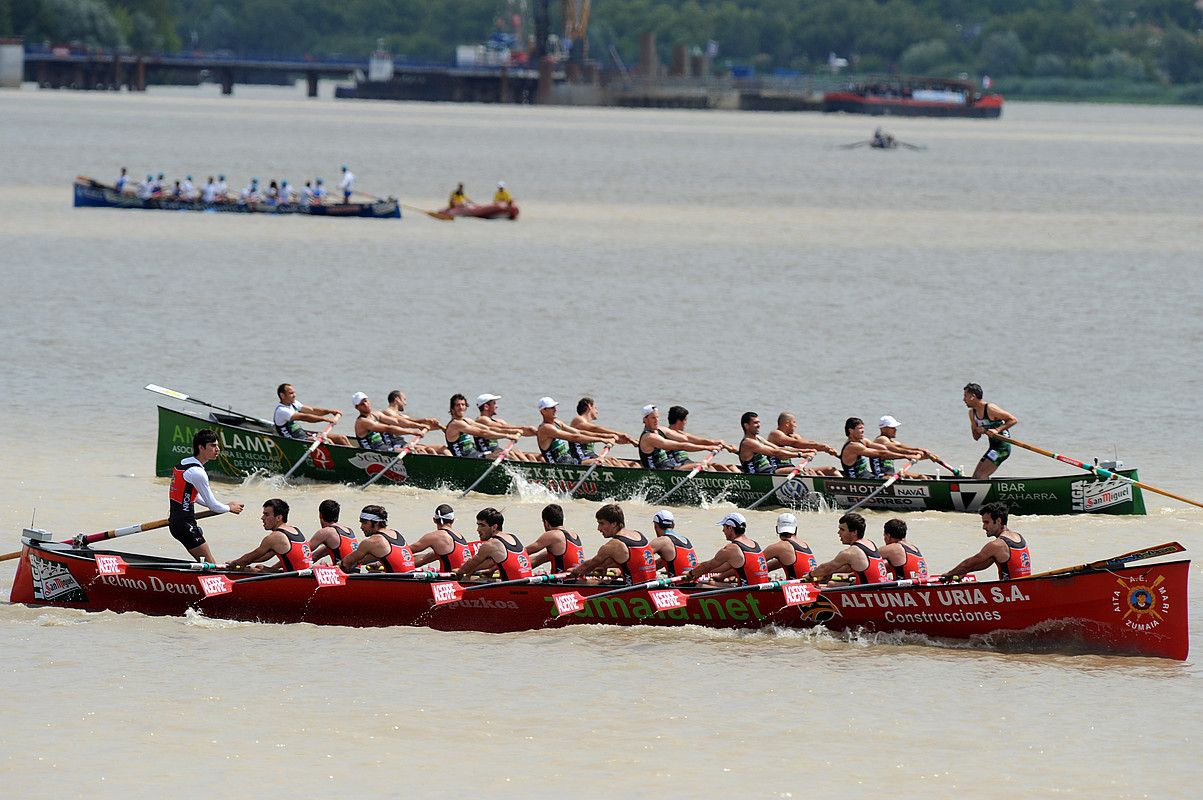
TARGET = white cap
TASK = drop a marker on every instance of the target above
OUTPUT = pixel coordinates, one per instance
(735, 520)
(481, 399)
(665, 518)
(888, 422)
(787, 523)
(547, 402)
(500, 184)
(649, 408)
(358, 398)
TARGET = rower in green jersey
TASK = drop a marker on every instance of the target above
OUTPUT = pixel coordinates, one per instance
(884, 467)
(786, 435)
(461, 432)
(757, 456)
(586, 422)
(486, 404)
(678, 416)
(857, 450)
(290, 413)
(372, 433)
(656, 442)
(555, 437)
(984, 417)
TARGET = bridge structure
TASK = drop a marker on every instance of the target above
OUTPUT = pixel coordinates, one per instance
(61, 67)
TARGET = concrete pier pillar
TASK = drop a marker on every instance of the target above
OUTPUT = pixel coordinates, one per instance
(140, 75)
(649, 63)
(311, 79)
(546, 67)
(680, 62)
(227, 81)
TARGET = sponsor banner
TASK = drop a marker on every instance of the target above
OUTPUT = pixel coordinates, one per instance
(446, 592)
(1091, 495)
(110, 565)
(329, 575)
(968, 496)
(859, 490)
(53, 582)
(883, 500)
(372, 462)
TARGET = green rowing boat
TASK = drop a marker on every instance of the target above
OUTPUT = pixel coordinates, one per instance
(247, 447)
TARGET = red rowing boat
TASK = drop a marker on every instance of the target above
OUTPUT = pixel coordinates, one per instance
(483, 210)
(1105, 608)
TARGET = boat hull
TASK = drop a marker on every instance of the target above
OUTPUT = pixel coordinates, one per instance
(246, 450)
(90, 194)
(484, 211)
(1129, 611)
(988, 107)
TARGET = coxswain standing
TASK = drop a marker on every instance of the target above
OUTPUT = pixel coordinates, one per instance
(559, 548)
(381, 545)
(1007, 550)
(740, 558)
(981, 421)
(499, 550)
(121, 182)
(373, 434)
(791, 555)
(676, 553)
(448, 550)
(333, 540)
(630, 551)
(347, 184)
(283, 541)
(190, 484)
(859, 558)
(906, 561)
(289, 415)
(555, 439)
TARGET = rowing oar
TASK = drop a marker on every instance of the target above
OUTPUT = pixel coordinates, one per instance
(181, 396)
(88, 538)
(1115, 561)
(404, 452)
(588, 472)
(443, 215)
(1099, 471)
(317, 440)
(485, 474)
(889, 482)
(574, 602)
(687, 478)
(947, 466)
(793, 474)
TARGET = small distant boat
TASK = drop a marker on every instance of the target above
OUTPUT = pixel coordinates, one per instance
(915, 97)
(483, 210)
(94, 194)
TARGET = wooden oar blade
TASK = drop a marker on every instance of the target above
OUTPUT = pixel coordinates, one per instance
(568, 603)
(443, 592)
(668, 599)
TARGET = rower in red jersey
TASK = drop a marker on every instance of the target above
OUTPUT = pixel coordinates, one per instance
(629, 551)
(381, 544)
(860, 558)
(791, 555)
(499, 550)
(558, 547)
(740, 558)
(283, 542)
(442, 547)
(903, 558)
(1006, 549)
(332, 539)
(676, 553)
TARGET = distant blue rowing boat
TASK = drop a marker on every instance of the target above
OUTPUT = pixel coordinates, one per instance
(90, 193)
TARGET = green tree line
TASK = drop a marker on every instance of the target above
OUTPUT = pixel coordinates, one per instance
(1130, 40)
